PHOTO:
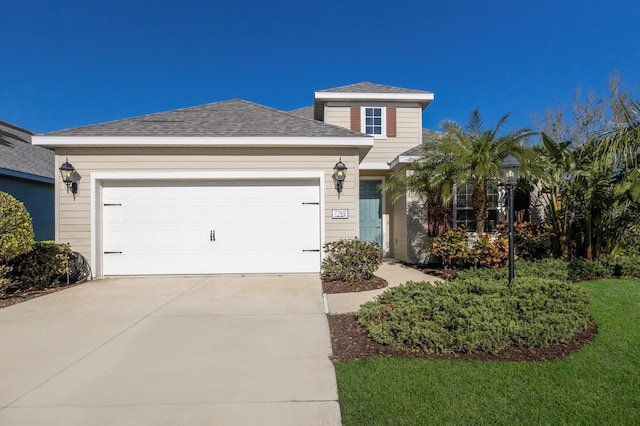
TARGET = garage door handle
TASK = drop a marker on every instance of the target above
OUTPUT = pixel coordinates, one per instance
(212, 235)
(317, 250)
(112, 252)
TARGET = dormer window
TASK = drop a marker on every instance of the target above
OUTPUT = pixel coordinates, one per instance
(374, 117)
(377, 121)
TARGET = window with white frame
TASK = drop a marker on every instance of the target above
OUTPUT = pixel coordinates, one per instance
(463, 214)
(373, 120)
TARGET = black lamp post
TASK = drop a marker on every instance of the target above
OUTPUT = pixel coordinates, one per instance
(510, 168)
(340, 174)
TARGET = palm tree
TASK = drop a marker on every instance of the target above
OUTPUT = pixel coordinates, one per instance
(474, 155)
(591, 196)
(468, 155)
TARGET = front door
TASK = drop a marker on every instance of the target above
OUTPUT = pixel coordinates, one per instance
(371, 211)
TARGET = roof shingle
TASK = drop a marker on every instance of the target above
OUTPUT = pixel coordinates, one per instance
(17, 154)
(366, 87)
(233, 118)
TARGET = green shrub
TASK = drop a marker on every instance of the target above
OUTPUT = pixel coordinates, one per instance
(452, 248)
(16, 233)
(350, 260)
(627, 266)
(581, 269)
(555, 269)
(530, 241)
(16, 230)
(472, 313)
(631, 243)
(490, 251)
(41, 267)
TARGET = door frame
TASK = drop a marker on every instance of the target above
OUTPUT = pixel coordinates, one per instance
(385, 214)
(99, 178)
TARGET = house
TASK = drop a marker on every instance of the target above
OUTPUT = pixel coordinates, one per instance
(237, 187)
(27, 173)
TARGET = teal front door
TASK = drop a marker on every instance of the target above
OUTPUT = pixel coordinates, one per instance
(371, 211)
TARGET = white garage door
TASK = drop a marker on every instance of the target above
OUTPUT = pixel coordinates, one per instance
(205, 228)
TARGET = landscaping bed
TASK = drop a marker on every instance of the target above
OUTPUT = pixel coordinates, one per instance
(350, 342)
(341, 286)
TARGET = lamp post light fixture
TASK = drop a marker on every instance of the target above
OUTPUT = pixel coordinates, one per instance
(340, 174)
(510, 168)
(70, 177)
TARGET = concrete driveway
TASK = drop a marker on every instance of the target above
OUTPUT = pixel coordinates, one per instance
(215, 350)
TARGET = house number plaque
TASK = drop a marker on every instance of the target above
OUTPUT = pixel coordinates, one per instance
(340, 214)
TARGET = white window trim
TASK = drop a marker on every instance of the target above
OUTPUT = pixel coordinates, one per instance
(499, 208)
(363, 120)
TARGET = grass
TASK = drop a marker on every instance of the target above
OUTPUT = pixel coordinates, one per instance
(600, 384)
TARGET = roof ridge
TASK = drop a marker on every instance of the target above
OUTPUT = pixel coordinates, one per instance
(13, 126)
(136, 117)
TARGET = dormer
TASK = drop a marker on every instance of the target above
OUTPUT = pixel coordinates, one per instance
(392, 115)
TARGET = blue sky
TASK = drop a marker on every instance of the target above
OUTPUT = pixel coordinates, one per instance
(75, 62)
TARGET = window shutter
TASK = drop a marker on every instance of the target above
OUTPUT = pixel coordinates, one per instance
(391, 122)
(355, 119)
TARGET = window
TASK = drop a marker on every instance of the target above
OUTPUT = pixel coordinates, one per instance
(373, 121)
(464, 214)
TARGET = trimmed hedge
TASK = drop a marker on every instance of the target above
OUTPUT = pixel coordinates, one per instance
(471, 314)
(555, 269)
(606, 267)
(16, 234)
(350, 260)
(40, 268)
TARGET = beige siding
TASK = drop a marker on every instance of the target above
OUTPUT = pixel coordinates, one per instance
(417, 229)
(399, 230)
(73, 217)
(409, 229)
(409, 130)
(338, 116)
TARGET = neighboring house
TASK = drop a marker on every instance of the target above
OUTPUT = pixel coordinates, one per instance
(236, 187)
(27, 173)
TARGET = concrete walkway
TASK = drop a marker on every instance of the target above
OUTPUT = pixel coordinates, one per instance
(391, 270)
(223, 350)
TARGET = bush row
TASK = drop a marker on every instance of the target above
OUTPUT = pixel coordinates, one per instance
(490, 250)
(41, 268)
(24, 264)
(472, 313)
(606, 267)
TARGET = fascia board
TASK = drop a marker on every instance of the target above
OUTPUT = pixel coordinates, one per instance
(374, 166)
(403, 159)
(347, 96)
(156, 141)
(28, 176)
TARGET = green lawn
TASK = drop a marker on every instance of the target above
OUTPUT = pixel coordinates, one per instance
(598, 385)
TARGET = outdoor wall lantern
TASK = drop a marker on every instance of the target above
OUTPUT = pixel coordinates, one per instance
(70, 177)
(510, 168)
(340, 174)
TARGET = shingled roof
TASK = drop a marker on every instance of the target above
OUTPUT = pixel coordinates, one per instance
(304, 112)
(233, 118)
(366, 87)
(19, 158)
(368, 92)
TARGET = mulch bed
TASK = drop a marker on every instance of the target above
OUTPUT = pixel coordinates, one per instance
(332, 287)
(14, 298)
(351, 342)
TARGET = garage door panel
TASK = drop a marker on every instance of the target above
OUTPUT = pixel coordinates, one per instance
(258, 228)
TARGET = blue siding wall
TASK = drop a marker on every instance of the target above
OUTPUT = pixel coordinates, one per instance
(38, 199)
